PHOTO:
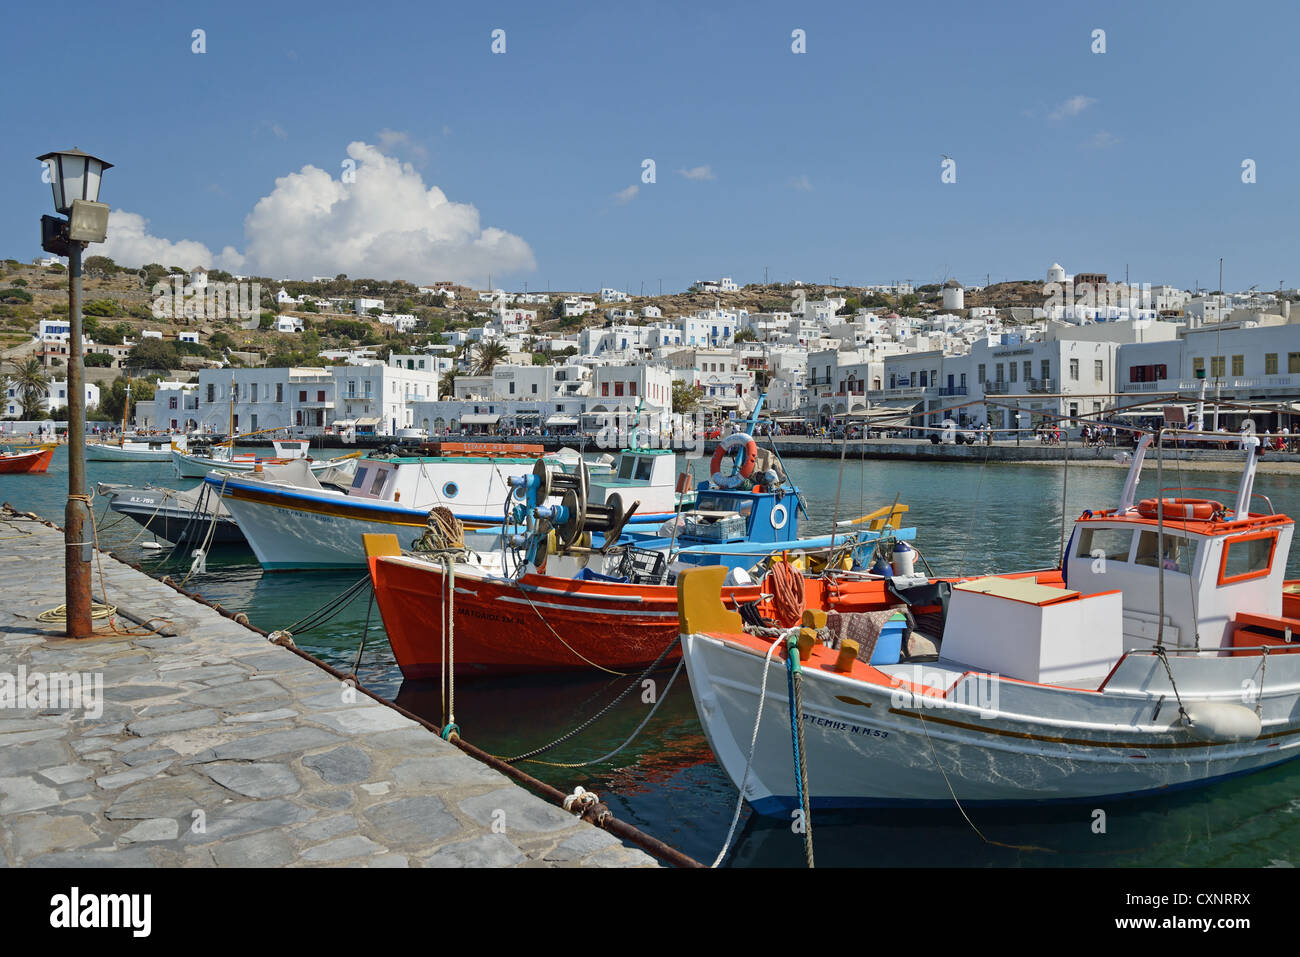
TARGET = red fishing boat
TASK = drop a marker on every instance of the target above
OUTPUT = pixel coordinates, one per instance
(27, 460)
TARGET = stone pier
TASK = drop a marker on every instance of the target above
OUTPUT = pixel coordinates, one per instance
(215, 748)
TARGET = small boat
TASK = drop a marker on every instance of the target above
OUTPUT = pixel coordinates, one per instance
(1158, 656)
(183, 518)
(316, 524)
(223, 458)
(576, 591)
(27, 460)
(135, 448)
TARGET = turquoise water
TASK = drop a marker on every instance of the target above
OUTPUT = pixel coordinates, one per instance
(971, 519)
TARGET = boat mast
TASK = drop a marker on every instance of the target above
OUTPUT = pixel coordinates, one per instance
(126, 407)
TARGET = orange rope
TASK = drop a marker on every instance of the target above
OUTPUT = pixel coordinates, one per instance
(786, 588)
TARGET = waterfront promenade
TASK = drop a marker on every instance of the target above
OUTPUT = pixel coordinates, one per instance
(210, 746)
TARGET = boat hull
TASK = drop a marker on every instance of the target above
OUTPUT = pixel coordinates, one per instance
(539, 624)
(113, 453)
(35, 461)
(158, 511)
(197, 466)
(991, 741)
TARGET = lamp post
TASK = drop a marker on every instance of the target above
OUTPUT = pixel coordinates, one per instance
(75, 178)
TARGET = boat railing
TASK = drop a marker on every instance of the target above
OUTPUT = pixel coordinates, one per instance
(1229, 492)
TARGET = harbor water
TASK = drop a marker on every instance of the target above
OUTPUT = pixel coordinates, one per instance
(971, 519)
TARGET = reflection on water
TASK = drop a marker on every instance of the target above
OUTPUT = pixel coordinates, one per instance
(970, 519)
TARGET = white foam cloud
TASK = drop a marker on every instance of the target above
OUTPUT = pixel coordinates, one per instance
(625, 196)
(1071, 107)
(802, 183)
(385, 224)
(697, 173)
(129, 243)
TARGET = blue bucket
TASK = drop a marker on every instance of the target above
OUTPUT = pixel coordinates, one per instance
(889, 646)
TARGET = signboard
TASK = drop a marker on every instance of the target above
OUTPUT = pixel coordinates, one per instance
(1175, 415)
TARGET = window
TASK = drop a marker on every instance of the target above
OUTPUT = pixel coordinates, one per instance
(979, 375)
(171, 402)
(1097, 370)
(1270, 363)
(534, 388)
(1216, 367)
(1045, 368)
(1198, 367)
(302, 395)
(631, 388)
(1013, 369)
(320, 395)
(512, 388)
(1247, 557)
(963, 380)
(604, 388)
(212, 392)
(1238, 365)
(1029, 370)
(279, 392)
(618, 388)
(1179, 552)
(253, 397)
(1293, 362)
(1074, 370)
(998, 370)
(1110, 543)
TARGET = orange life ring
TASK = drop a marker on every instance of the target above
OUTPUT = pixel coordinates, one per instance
(1181, 509)
(747, 462)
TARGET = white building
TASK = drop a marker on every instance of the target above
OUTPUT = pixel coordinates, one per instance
(362, 307)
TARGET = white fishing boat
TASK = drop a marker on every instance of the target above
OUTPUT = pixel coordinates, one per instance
(296, 520)
(135, 448)
(223, 458)
(1158, 656)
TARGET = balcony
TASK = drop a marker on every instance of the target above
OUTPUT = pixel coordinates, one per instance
(1041, 385)
(952, 390)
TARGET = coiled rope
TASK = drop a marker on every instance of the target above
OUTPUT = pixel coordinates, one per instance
(785, 585)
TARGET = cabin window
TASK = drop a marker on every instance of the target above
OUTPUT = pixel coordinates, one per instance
(643, 469)
(1110, 543)
(359, 481)
(1247, 557)
(625, 467)
(1179, 552)
(381, 480)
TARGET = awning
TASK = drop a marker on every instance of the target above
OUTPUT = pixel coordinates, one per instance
(558, 419)
(475, 418)
(362, 423)
(344, 423)
(528, 414)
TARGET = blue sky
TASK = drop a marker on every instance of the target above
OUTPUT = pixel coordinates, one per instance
(814, 165)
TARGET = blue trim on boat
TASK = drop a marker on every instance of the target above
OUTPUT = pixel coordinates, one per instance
(780, 805)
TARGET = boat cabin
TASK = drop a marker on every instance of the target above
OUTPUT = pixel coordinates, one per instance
(730, 515)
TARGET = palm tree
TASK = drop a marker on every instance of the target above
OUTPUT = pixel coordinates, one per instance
(30, 380)
(447, 384)
(490, 352)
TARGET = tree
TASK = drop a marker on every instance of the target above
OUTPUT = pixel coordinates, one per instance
(541, 359)
(98, 360)
(101, 307)
(447, 384)
(745, 335)
(153, 354)
(15, 295)
(686, 398)
(112, 400)
(31, 383)
(488, 354)
(100, 266)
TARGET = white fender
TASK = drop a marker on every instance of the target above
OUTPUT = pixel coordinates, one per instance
(1222, 721)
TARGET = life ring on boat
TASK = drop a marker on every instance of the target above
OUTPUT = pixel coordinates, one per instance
(743, 469)
(1198, 509)
(778, 523)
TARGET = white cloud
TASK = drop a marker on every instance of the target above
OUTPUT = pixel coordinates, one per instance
(801, 183)
(625, 196)
(698, 173)
(278, 130)
(391, 140)
(1102, 139)
(129, 244)
(387, 224)
(1071, 107)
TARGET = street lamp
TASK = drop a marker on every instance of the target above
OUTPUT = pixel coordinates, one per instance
(75, 178)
